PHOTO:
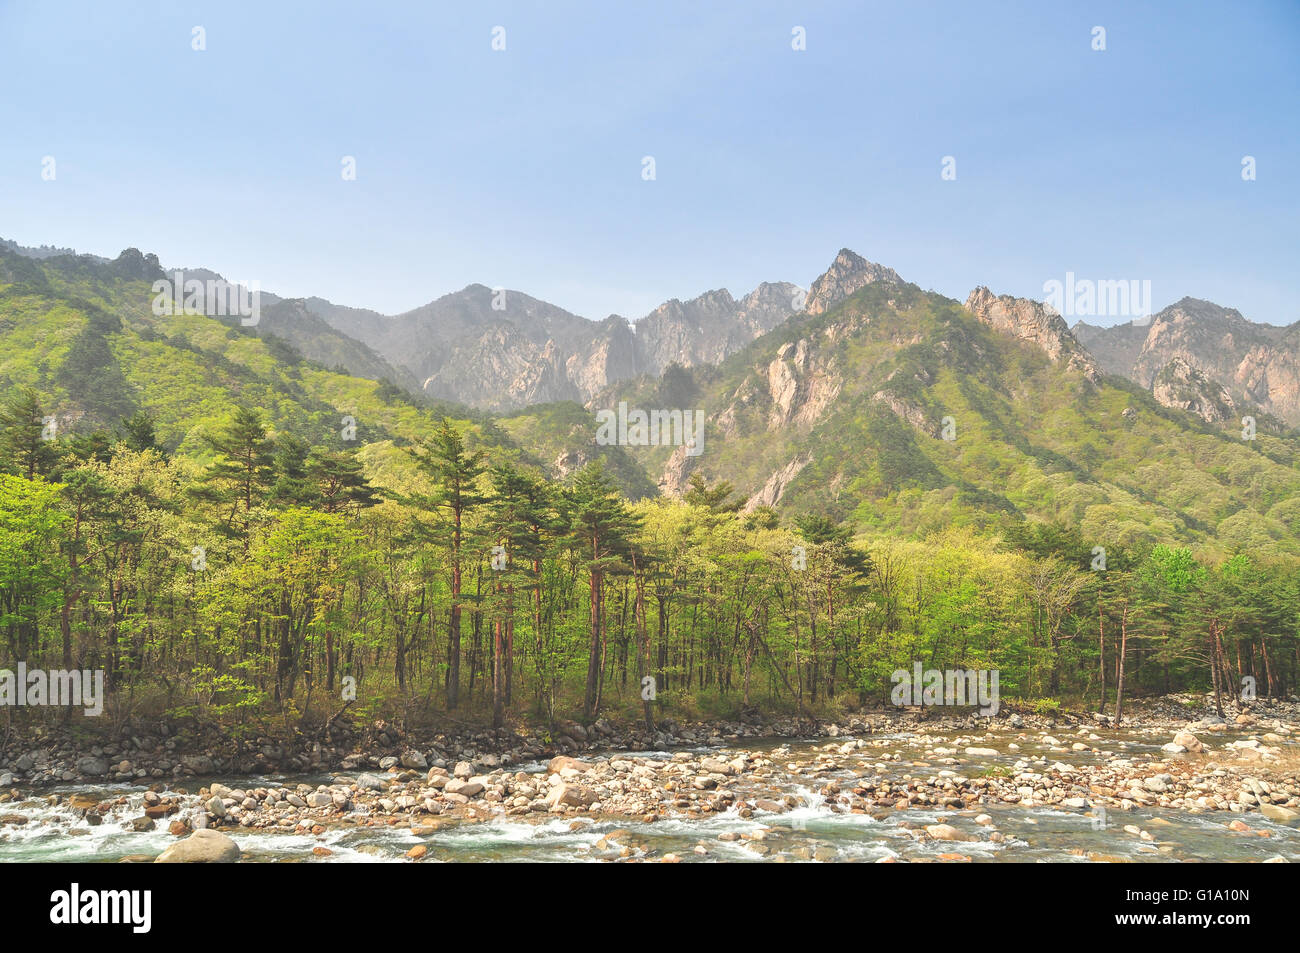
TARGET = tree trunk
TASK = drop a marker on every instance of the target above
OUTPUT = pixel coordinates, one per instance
(498, 675)
(453, 625)
(643, 646)
(1217, 649)
(593, 648)
(1101, 635)
(1123, 647)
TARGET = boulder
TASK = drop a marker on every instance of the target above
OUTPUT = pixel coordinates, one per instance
(1282, 815)
(467, 788)
(202, 847)
(946, 832)
(570, 795)
(565, 762)
(197, 764)
(92, 767)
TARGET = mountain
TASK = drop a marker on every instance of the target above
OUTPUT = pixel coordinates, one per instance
(295, 322)
(848, 413)
(848, 273)
(503, 350)
(292, 320)
(1257, 365)
(492, 349)
(1180, 385)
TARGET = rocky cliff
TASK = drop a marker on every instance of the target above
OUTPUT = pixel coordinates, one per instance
(1034, 323)
(1182, 386)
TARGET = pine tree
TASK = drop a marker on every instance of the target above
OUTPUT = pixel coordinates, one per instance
(601, 526)
(293, 484)
(455, 471)
(716, 499)
(520, 517)
(86, 495)
(244, 470)
(137, 432)
(340, 480)
(25, 449)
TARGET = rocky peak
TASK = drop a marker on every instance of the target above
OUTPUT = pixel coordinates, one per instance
(848, 273)
(1034, 323)
(696, 313)
(1258, 364)
(767, 306)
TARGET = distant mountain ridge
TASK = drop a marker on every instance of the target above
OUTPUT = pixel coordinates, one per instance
(502, 350)
(1256, 365)
(498, 349)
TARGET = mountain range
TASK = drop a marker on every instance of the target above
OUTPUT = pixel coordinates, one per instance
(866, 398)
(502, 350)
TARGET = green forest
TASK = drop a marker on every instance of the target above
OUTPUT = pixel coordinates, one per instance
(276, 582)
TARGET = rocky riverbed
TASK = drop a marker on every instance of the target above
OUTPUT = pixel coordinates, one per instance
(1175, 783)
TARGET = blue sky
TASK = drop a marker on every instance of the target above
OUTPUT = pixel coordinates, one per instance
(523, 168)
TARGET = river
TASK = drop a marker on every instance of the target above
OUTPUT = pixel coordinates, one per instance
(55, 832)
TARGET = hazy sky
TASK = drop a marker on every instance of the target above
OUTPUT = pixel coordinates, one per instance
(523, 168)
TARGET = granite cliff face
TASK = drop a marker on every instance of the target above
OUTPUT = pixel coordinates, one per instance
(1182, 386)
(710, 328)
(1034, 323)
(489, 348)
(1257, 365)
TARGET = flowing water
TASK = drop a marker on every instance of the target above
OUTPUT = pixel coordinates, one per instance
(811, 832)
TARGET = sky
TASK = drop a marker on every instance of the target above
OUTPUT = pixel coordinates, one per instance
(524, 167)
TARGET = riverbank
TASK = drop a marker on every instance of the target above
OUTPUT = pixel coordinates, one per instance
(151, 751)
(955, 776)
